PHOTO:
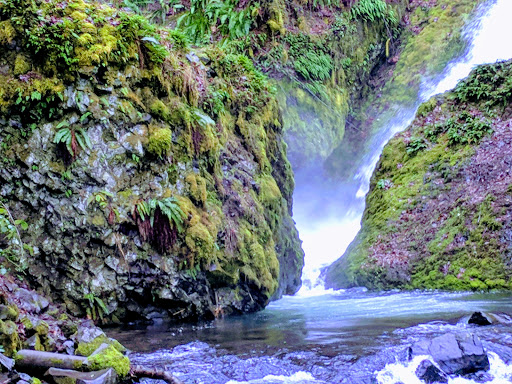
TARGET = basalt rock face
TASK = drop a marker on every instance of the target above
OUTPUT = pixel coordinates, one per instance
(438, 212)
(153, 179)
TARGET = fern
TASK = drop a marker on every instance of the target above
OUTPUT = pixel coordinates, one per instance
(374, 10)
(205, 14)
(314, 66)
(143, 210)
(72, 138)
(96, 307)
(171, 209)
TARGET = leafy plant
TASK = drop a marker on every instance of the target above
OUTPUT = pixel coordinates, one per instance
(384, 184)
(374, 10)
(314, 66)
(9, 230)
(206, 15)
(66, 175)
(72, 138)
(96, 308)
(171, 209)
(102, 198)
(159, 221)
(416, 145)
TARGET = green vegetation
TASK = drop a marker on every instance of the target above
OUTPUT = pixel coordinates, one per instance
(374, 10)
(421, 228)
(110, 357)
(72, 138)
(95, 307)
(205, 15)
(13, 249)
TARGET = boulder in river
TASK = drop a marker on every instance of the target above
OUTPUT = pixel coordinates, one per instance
(478, 318)
(429, 373)
(457, 354)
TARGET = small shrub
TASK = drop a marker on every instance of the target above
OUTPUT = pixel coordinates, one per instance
(416, 145)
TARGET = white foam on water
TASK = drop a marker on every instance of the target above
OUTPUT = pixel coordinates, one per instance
(300, 377)
(500, 372)
(324, 244)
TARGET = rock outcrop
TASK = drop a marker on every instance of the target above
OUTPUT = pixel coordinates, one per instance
(438, 212)
(153, 178)
(456, 354)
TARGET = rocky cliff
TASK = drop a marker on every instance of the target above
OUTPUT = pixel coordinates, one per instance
(152, 177)
(438, 212)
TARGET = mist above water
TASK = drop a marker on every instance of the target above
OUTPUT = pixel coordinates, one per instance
(328, 213)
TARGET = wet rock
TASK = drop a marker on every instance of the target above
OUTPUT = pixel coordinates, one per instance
(33, 343)
(68, 376)
(31, 301)
(9, 337)
(25, 377)
(69, 347)
(429, 373)
(455, 354)
(478, 318)
(6, 364)
(21, 378)
(87, 332)
(8, 312)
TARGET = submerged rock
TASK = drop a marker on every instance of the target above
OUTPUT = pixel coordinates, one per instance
(457, 354)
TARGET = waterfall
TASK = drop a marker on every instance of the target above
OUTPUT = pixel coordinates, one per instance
(328, 214)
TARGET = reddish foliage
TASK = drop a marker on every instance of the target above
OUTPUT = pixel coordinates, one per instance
(111, 217)
(74, 144)
(197, 137)
(161, 235)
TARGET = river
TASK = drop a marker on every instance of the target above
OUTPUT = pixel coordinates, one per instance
(353, 336)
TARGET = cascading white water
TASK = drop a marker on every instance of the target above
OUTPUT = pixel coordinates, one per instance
(340, 207)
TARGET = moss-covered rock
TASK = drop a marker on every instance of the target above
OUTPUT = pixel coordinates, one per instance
(165, 181)
(110, 357)
(437, 215)
(9, 338)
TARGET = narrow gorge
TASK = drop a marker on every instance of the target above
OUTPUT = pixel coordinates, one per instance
(255, 192)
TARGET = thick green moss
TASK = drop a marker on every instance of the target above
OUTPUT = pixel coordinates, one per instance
(160, 142)
(420, 228)
(86, 349)
(110, 357)
(9, 338)
(215, 122)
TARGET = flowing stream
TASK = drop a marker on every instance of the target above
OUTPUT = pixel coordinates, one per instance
(351, 336)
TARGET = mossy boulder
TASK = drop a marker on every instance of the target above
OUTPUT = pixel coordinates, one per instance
(109, 357)
(9, 338)
(437, 215)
